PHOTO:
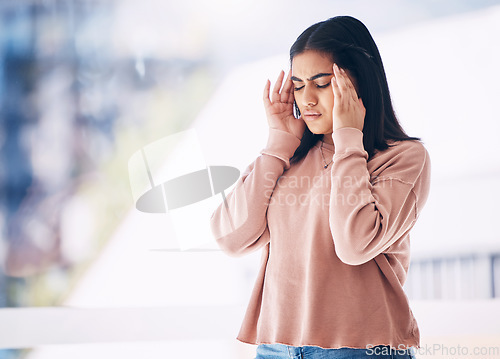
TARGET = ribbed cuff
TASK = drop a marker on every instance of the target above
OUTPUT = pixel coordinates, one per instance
(347, 138)
(282, 145)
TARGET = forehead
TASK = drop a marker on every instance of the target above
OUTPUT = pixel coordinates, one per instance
(310, 63)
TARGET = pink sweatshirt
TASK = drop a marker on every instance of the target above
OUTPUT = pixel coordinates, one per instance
(335, 242)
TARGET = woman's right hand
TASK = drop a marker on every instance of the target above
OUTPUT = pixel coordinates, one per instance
(279, 108)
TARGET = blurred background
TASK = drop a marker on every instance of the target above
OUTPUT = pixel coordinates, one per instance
(84, 85)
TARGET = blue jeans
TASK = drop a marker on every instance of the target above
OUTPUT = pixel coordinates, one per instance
(282, 351)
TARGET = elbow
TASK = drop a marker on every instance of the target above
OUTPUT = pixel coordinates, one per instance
(230, 247)
(225, 241)
(223, 233)
(239, 241)
(353, 259)
(350, 254)
(355, 245)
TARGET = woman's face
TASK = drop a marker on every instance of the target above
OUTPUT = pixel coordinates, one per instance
(312, 73)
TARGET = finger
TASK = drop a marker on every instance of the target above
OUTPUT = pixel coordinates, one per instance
(361, 104)
(347, 89)
(265, 96)
(335, 85)
(286, 92)
(350, 86)
(277, 86)
(355, 96)
(291, 99)
(341, 81)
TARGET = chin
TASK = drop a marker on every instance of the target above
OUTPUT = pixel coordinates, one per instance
(317, 130)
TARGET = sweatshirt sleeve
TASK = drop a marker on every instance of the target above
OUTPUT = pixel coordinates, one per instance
(368, 215)
(239, 224)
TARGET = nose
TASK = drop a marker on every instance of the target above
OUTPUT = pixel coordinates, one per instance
(309, 97)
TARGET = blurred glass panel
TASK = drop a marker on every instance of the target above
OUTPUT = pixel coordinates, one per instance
(77, 99)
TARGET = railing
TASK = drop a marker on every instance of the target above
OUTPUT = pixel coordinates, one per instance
(466, 276)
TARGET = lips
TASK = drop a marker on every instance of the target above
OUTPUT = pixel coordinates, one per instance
(311, 115)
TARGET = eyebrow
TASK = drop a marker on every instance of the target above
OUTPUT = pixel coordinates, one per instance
(323, 74)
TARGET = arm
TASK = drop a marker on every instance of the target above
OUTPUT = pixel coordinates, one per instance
(240, 225)
(366, 218)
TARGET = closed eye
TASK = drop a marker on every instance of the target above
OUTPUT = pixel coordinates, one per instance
(318, 86)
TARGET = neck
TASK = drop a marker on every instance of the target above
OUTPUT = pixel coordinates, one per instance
(327, 138)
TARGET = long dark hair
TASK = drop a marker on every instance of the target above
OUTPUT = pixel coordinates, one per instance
(348, 42)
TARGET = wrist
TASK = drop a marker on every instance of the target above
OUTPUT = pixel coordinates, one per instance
(281, 144)
(347, 137)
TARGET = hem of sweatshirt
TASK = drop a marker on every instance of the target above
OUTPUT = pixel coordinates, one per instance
(415, 345)
(281, 144)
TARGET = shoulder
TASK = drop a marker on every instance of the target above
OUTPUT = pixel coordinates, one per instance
(412, 151)
(403, 160)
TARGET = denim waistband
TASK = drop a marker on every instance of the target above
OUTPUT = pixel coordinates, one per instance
(306, 352)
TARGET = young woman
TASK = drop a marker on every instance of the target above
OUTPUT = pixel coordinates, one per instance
(331, 200)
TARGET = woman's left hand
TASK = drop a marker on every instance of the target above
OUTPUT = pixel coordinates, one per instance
(348, 109)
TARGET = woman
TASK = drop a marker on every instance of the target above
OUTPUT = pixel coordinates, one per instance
(331, 201)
